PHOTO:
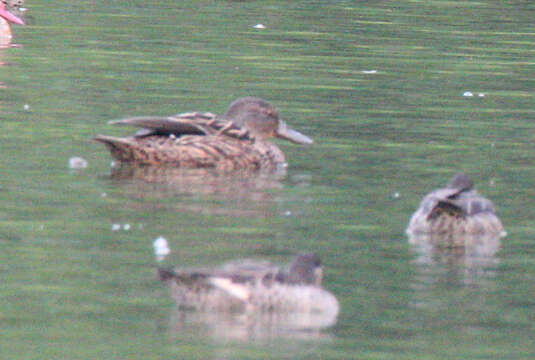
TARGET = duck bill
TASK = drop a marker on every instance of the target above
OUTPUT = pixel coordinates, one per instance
(10, 17)
(285, 132)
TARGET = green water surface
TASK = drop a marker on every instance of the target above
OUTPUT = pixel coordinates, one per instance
(379, 86)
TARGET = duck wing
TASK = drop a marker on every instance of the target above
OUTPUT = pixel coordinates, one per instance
(458, 203)
(182, 124)
(238, 278)
(235, 284)
(192, 123)
(234, 288)
(445, 208)
(443, 202)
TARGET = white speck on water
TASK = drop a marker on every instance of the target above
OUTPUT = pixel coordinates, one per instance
(369, 71)
(41, 227)
(492, 182)
(481, 95)
(112, 164)
(116, 227)
(493, 145)
(103, 195)
(77, 162)
(287, 213)
(161, 248)
(26, 107)
(395, 195)
(126, 227)
(259, 26)
(468, 93)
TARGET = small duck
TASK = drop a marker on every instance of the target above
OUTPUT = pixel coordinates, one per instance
(456, 210)
(6, 17)
(238, 140)
(249, 286)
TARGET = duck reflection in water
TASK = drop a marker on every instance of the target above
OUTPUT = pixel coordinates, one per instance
(205, 191)
(175, 181)
(6, 17)
(255, 327)
(237, 140)
(257, 291)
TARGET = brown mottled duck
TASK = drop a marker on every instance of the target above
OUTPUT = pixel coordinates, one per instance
(456, 210)
(237, 140)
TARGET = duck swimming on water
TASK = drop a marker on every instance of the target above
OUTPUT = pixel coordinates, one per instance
(456, 210)
(237, 140)
(251, 286)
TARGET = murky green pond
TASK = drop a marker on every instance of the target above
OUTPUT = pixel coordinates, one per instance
(382, 87)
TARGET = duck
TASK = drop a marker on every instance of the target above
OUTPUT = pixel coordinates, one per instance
(6, 17)
(237, 140)
(456, 210)
(252, 286)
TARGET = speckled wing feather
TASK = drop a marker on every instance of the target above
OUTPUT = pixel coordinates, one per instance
(163, 125)
(192, 123)
(445, 208)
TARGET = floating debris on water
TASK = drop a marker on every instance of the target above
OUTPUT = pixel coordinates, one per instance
(468, 94)
(161, 248)
(117, 227)
(481, 95)
(369, 71)
(77, 162)
(259, 26)
(395, 195)
(26, 107)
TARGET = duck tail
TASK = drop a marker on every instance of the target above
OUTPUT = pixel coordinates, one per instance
(120, 148)
(165, 274)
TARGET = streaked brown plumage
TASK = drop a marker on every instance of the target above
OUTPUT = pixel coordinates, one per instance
(238, 140)
(456, 210)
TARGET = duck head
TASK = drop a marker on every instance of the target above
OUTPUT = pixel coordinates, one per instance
(306, 269)
(262, 120)
(462, 182)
